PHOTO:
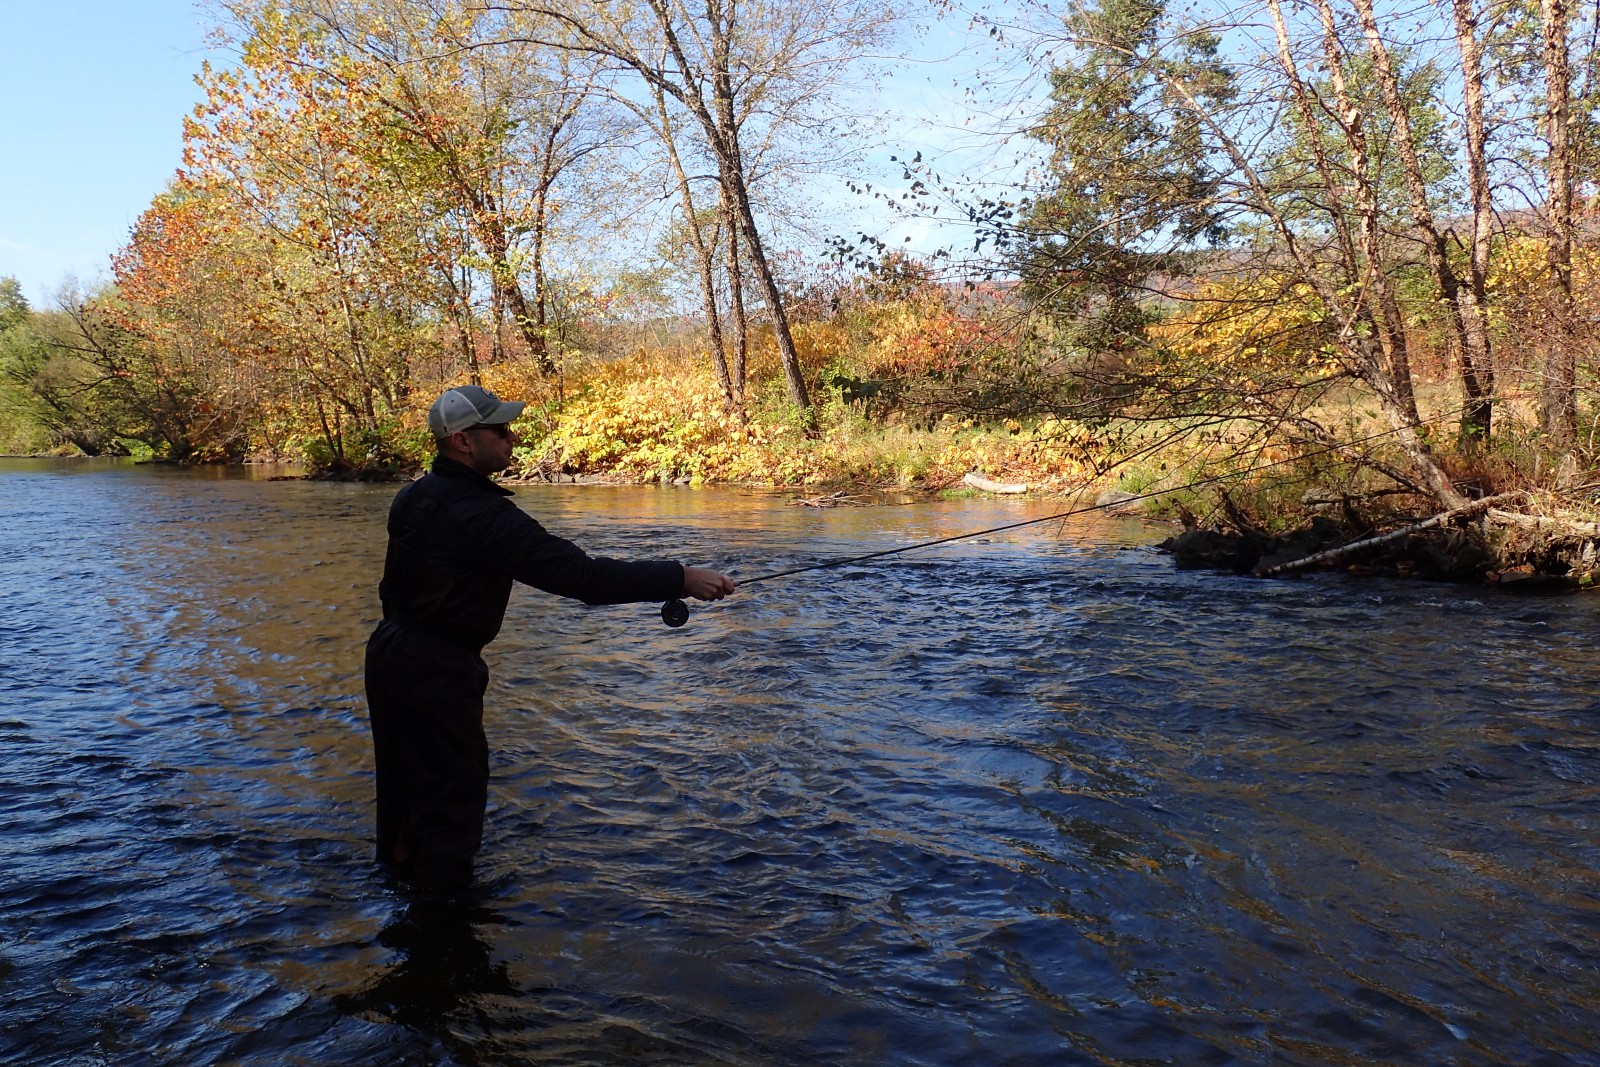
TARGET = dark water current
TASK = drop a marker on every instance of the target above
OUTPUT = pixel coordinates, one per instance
(1029, 799)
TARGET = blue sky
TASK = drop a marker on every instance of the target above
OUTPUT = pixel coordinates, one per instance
(95, 92)
(91, 128)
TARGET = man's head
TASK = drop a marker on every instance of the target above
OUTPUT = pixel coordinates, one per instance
(473, 426)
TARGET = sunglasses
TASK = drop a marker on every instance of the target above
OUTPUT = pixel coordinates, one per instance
(499, 429)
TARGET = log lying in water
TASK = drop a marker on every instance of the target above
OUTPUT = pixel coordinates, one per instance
(978, 481)
(1332, 554)
(1561, 529)
(839, 499)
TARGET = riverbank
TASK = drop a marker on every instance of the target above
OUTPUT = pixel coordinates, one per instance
(1484, 545)
(1244, 524)
(1479, 543)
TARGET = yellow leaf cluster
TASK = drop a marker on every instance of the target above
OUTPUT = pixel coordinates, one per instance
(658, 414)
(651, 423)
(1236, 328)
(1518, 281)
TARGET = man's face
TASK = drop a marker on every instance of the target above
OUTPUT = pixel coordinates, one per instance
(487, 448)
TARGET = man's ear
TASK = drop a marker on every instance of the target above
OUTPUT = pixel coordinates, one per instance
(457, 443)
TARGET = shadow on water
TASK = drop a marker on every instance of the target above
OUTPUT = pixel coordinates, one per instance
(444, 970)
(1034, 798)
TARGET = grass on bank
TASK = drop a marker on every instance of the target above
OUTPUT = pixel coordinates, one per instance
(656, 417)
(650, 417)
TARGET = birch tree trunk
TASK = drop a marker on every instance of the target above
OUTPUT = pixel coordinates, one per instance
(1466, 324)
(1477, 367)
(736, 309)
(704, 249)
(1374, 280)
(722, 130)
(1557, 405)
(1348, 308)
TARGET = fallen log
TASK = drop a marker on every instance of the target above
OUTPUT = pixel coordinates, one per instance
(1333, 554)
(1564, 529)
(978, 481)
(839, 499)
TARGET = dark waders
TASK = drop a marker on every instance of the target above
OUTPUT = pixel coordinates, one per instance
(426, 702)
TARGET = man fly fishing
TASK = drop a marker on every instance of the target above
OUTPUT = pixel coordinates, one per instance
(456, 543)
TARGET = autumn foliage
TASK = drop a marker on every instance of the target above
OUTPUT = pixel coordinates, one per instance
(381, 200)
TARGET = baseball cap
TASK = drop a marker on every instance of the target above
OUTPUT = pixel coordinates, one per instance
(470, 405)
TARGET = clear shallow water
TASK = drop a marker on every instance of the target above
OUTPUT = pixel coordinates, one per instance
(1035, 798)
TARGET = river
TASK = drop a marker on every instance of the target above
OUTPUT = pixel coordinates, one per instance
(1031, 798)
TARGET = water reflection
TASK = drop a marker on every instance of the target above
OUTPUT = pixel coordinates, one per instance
(444, 964)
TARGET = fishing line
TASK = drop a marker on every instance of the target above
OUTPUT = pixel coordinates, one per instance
(676, 612)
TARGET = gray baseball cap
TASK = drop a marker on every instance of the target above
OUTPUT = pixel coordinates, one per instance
(470, 405)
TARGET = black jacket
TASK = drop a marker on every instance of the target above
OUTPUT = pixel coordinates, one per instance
(457, 542)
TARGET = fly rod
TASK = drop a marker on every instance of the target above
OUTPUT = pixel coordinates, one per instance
(675, 612)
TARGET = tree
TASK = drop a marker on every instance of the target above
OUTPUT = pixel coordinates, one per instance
(1159, 145)
(1558, 398)
(14, 307)
(700, 232)
(1130, 182)
(333, 254)
(722, 64)
(1463, 303)
(485, 129)
(24, 420)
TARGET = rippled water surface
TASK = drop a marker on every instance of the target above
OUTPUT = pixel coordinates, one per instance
(1024, 799)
